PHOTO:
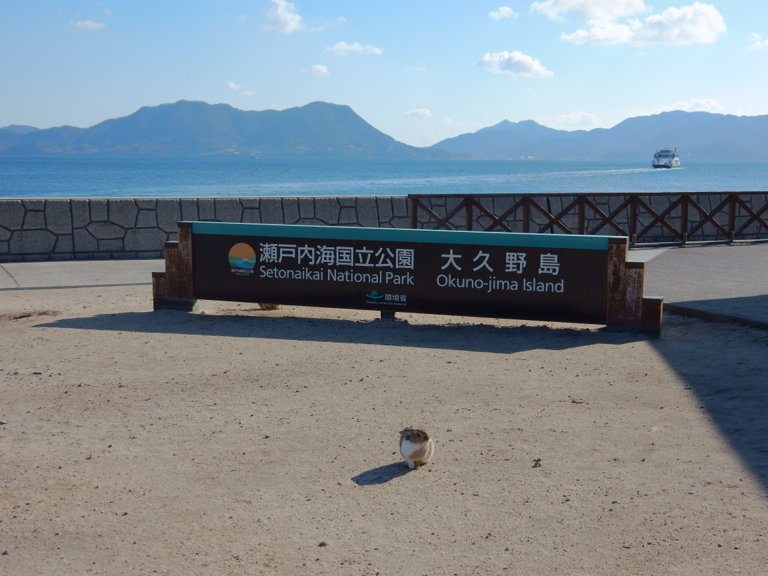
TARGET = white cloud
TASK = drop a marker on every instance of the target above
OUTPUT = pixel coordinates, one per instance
(502, 13)
(612, 22)
(695, 24)
(589, 9)
(602, 32)
(515, 63)
(319, 70)
(420, 112)
(573, 121)
(696, 105)
(711, 105)
(453, 127)
(239, 88)
(88, 25)
(345, 48)
(283, 17)
(758, 42)
(325, 25)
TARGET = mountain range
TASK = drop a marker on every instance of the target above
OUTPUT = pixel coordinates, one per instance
(698, 136)
(331, 130)
(196, 128)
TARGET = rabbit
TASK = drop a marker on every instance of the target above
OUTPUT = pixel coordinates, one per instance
(416, 447)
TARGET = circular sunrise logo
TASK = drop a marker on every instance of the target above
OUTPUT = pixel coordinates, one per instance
(242, 256)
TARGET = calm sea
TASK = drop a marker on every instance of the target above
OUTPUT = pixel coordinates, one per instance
(240, 176)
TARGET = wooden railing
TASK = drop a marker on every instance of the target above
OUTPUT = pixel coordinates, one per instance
(645, 218)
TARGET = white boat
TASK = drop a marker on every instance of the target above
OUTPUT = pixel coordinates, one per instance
(666, 158)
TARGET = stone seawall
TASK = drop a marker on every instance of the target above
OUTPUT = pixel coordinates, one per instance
(105, 228)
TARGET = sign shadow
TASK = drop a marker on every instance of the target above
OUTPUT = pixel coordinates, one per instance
(477, 337)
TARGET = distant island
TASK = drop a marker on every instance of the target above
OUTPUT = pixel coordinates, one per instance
(321, 129)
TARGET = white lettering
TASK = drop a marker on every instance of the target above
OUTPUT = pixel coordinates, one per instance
(451, 281)
(351, 277)
(502, 285)
(399, 279)
(290, 273)
(536, 285)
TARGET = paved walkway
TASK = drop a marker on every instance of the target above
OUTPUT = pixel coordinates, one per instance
(77, 274)
(718, 282)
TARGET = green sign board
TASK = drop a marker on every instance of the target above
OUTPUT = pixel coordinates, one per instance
(495, 274)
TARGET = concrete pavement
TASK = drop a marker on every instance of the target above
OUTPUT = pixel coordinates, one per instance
(717, 282)
(77, 274)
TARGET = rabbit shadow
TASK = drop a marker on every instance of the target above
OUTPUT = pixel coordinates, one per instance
(381, 474)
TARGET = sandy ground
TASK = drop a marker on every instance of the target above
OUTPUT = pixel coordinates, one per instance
(242, 441)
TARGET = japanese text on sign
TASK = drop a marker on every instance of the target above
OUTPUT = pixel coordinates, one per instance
(398, 258)
(514, 262)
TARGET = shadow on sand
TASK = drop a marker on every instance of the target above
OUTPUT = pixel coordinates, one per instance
(470, 337)
(730, 382)
(729, 377)
(381, 474)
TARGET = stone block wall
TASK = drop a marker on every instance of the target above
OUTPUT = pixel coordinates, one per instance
(105, 228)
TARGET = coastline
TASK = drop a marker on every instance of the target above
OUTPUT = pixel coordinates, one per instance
(54, 177)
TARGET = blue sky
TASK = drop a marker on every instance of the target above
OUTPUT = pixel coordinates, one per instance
(418, 70)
